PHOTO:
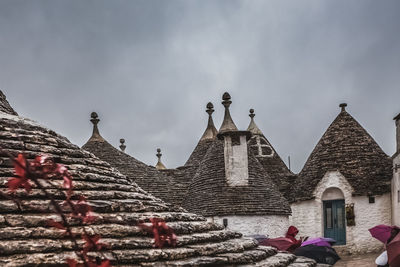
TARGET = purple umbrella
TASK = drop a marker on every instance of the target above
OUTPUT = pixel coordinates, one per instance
(319, 241)
(381, 232)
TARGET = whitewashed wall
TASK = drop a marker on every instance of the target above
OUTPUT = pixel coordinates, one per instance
(307, 216)
(271, 225)
(395, 189)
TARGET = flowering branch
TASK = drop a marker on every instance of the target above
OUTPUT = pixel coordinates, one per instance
(44, 168)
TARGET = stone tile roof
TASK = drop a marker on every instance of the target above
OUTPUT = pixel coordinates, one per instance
(147, 177)
(269, 158)
(346, 147)
(26, 240)
(209, 194)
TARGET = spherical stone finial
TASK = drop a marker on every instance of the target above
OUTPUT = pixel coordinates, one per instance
(226, 96)
(158, 153)
(122, 146)
(252, 113)
(210, 108)
(343, 106)
(94, 118)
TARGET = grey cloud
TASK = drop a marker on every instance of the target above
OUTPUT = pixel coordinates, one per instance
(149, 67)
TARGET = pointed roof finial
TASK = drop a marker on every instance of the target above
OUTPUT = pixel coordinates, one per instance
(210, 108)
(253, 128)
(343, 106)
(95, 120)
(159, 165)
(228, 124)
(211, 131)
(122, 146)
(251, 115)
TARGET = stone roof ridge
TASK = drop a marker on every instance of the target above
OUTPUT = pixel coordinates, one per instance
(211, 132)
(227, 125)
(5, 106)
(159, 165)
(253, 128)
(95, 134)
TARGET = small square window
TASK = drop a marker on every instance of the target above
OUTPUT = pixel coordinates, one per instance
(225, 222)
(398, 196)
(371, 199)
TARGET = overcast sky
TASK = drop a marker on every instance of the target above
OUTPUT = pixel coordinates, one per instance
(148, 68)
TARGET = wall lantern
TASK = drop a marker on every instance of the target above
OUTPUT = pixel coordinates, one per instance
(350, 217)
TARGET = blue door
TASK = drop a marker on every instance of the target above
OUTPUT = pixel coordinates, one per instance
(334, 221)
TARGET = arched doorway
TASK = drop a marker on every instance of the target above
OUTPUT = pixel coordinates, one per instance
(334, 215)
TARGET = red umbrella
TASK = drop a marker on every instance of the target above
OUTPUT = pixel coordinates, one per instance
(381, 232)
(393, 250)
(281, 243)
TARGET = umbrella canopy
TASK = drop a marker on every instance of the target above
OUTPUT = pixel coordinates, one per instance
(382, 232)
(393, 250)
(281, 243)
(325, 255)
(259, 238)
(319, 241)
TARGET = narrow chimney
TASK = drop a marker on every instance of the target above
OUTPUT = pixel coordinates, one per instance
(397, 121)
(235, 149)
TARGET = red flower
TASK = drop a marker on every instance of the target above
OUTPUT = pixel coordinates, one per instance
(162, 233)
(21, 172)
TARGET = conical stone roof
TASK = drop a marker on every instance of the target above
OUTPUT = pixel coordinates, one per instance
(348, 148)
(147, 177)
(210, 195)
(269, 158)
(26, 240)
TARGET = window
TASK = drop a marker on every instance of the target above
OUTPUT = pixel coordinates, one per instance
(225, 222)
(260, 147)
(328, 210)
(398, 196)
(371, 199)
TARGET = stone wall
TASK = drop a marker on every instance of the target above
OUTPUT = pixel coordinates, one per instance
(271, 225)
(307, 216)
(395, 191)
